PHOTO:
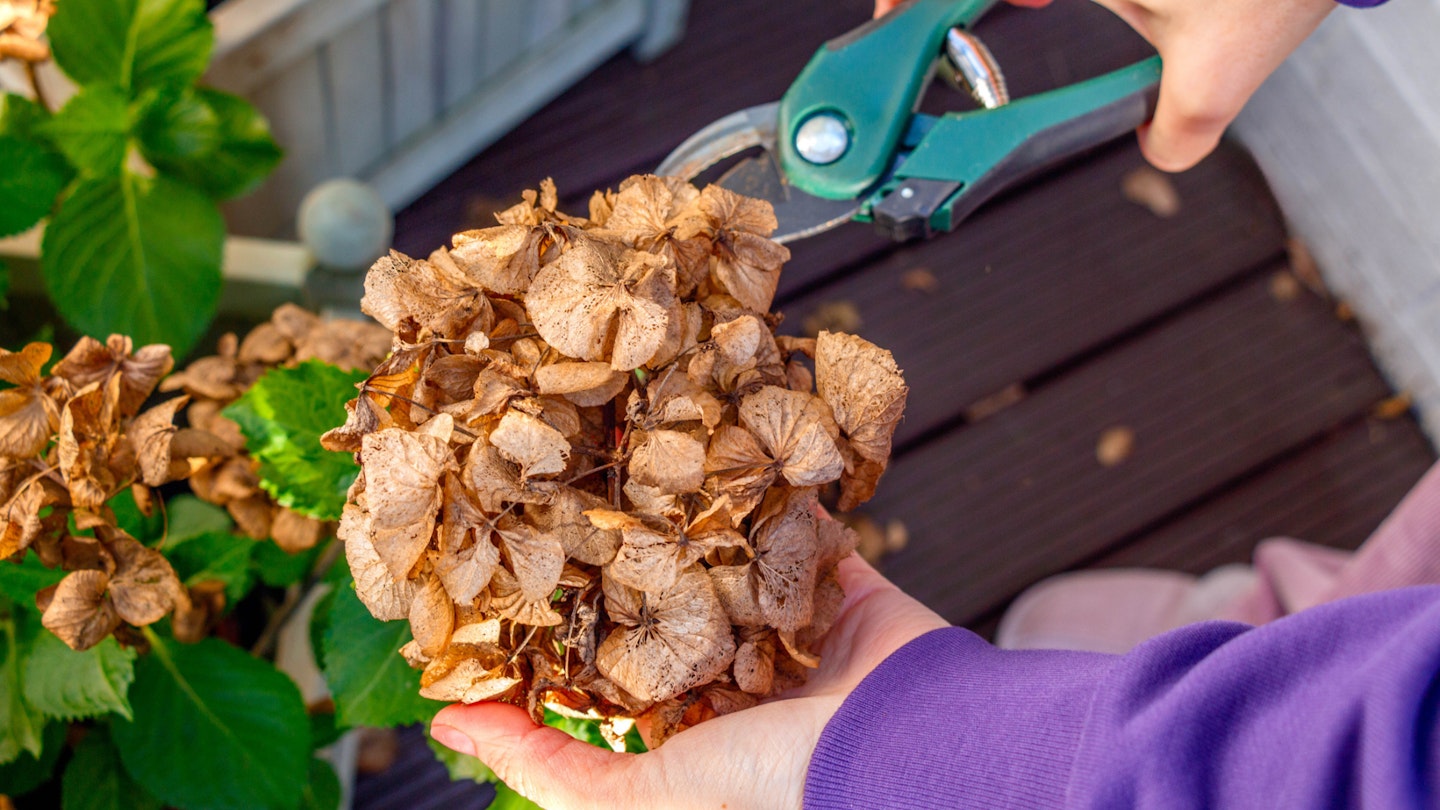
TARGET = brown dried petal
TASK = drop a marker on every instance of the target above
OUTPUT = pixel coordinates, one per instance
(595, 305)
(20, 520)
(22, 368)
(467, 557)
(735, 586)
(469, 681)
(28, 418)
(668, 641)
(669, 460)
(527, 441)
(294, 532)
(387, 598)
(786, 563)
(791, 427)
(254, 515)
(585, 384)
(507, 598)
(144, 587)
(740, 466)
(755, 661)
(91, 361)
(536, 559)
(432, 617)
(265, 344)
(496, 481)
(78, 613)
(151, 433)
(862, 385)
(399, 288)
(88, 434)
(564, 519)
(402, 475)
(503, 259)
(364, 417)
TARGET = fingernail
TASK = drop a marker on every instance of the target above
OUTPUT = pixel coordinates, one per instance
(453, 738)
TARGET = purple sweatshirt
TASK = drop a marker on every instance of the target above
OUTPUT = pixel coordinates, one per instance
(1335, 706)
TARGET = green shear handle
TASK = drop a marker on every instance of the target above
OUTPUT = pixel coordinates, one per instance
(871, 79)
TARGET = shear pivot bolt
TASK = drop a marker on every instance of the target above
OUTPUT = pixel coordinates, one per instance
(822, 139)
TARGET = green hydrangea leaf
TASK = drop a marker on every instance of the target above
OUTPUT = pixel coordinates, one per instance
(69, 685)
(22, 118)
(508, 799)
(323, 790)
(216, 556)
(128, 517)
(136, 256)
(282, 417)
(462, 767)
(32, 178)
(95, 779)
(279, 568)
(369, 679)
(215, 728)
(20, 582)
(93, 129)
(27, 772)
(324, 731)
(187, 516)
(214, 141)
(139, 44)
(20, 723)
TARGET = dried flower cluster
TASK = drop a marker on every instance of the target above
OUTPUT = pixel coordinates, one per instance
(589, 467)
(72, 440)
(22, 29)
(291, 336)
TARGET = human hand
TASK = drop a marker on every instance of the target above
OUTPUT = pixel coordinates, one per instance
(1216, 54)
(752, 758)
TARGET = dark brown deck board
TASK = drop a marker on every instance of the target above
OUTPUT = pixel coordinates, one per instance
(1334, 493)
(1051, 273)
(1212, 393)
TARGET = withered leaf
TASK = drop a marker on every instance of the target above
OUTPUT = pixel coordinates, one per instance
(79, 613)
(496, 481)
(594, 303)
(755, 660)
(527, 441)
(471, 679)
(668, 641)
(388, 599)
(669, 460)
(20, 520)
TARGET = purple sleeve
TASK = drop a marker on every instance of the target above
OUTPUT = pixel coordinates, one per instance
(1335, 706)
(1360, 3)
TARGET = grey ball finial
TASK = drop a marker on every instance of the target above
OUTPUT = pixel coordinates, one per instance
(345, 224)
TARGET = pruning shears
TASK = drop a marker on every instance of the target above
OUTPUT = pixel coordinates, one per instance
(845, 143)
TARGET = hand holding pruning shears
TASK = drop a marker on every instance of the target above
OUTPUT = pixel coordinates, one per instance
(1216, 52)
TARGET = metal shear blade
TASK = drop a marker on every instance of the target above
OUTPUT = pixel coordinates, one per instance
(799, 214)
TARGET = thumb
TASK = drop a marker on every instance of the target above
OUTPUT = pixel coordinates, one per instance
(543, 764)
(1200, 94)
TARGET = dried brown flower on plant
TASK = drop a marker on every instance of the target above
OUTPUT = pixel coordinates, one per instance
(590, 469)
(71, 441)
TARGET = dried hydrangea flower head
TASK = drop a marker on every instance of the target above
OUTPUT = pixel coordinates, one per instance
(590, 470)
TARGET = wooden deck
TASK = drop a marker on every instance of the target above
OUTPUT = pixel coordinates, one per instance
(1252, 405)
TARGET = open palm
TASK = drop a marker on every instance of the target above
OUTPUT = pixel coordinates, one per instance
(753, 758)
